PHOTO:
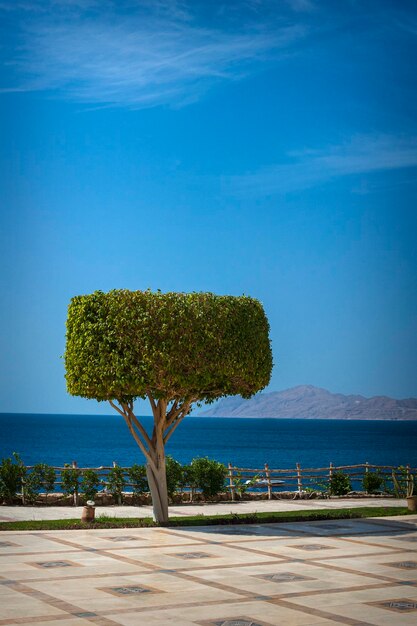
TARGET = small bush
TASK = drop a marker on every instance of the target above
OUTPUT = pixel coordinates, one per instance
(115, 483)
(70, 481)
(137, 476)
(339, 484)
(12, 473)
(372, 482)
(208, 475)
(90, 483)
(174, 472)
(41, 478)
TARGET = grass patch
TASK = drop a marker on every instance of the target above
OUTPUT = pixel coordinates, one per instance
(106, 521)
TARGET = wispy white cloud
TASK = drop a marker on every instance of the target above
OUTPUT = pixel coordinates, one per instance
(147, 54)
(310, 167)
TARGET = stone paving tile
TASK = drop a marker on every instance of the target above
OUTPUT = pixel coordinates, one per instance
(94, 594)
(190, 577)
(259, 612)
(311, 548)
(380, 565)
(355, 606)
(252, 579)
(139, 538)
(70, 621)
(21, 567)
(396, 541)
(16, 605)
(213, 555)
(233, 533)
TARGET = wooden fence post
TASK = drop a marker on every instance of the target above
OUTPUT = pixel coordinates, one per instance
(268, 480)
(231, 483)
(299, 481)
(330, 477)
(409, 479)
(23, 491)
(74, 466)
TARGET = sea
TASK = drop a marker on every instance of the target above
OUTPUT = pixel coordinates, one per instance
(97, 440)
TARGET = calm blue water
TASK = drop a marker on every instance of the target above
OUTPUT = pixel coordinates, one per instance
(94, 440)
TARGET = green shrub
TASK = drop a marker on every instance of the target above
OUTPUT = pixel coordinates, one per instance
(41, 478)
(12, 473)
(187, 478)
(174, 471)
(138, 480)
(242, 485)
(90, 483)
(208, 475)
(372, 482)
(116, 482)
(403, 482)
(70, 481)
(339, 484)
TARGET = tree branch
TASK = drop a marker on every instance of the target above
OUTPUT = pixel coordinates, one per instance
(138, 425)
(173, 428)
(151, 400)
(146, 453)
(174, 423)
(116, 408)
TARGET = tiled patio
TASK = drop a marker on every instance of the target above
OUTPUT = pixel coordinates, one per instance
(355, 572)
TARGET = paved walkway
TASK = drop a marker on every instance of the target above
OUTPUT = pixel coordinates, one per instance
(352, 572)
(16, 513)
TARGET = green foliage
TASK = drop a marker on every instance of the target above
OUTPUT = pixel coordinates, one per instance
(187, 478)
(403, 482)
(179, 345)
(372, 482)
(209, 476)
(137, 477)
(339, 484)
(41, 478)
(241, 485)
(12, 472)
(174, 472)
(116, 482)
(90, 483)
(70, 480)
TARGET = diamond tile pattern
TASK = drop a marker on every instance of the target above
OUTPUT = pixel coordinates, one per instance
(404, 564)
(401, 605)
(121, 538)
(193, 555)
(51, 564)
(237, 622)
(283, 577)
(311, 547)
(126, 591)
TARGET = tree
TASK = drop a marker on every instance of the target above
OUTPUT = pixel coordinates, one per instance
(174, 349)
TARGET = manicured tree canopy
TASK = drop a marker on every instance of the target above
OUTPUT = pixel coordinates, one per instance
(174, 349)
(123, 343)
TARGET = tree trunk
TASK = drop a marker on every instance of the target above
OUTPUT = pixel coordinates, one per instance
(157, 480)
(153, 447)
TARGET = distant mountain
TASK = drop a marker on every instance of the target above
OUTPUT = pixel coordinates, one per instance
(307, 401)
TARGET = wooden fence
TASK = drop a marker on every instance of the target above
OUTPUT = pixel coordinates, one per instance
(299, 481)
(302, 480)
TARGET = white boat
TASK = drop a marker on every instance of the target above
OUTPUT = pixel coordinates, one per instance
(274, 482)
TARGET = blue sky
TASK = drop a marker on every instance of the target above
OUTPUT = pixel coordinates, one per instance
(262, 147)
